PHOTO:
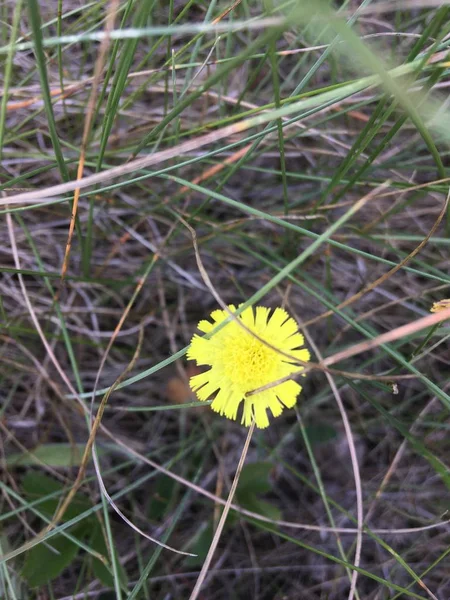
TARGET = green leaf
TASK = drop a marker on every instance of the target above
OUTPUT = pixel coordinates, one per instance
(261, 507)
(37, 485)
(320, 433)
(53, 455)
(46, 561)
(255, 480)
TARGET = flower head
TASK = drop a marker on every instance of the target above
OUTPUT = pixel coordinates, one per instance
(241, 363)
(441, 305)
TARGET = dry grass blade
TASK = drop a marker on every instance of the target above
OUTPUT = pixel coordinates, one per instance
(390, 336)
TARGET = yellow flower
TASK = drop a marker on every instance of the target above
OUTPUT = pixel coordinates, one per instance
(441, 305)
(241, 363)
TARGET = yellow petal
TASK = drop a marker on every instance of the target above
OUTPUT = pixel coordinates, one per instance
(248, 318)
(205, 326)
(303, 354)
(287, 392)
(240, 363)
(294, 341)
(247, 416)
(232, 406)
(220, 401)
(274, 404)
(199, 350)
(205, 392)
(261, 419)
(218, 316)
(277, 319)
(196, 381)
(289, 328)
(261, 319)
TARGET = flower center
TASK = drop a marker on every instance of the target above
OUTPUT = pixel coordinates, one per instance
(248, 362)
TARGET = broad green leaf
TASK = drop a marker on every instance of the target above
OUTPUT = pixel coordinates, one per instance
(45, 562)
(320, 433)
(254, 479)
(36, 485)
(261, 507)
(53, 455)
